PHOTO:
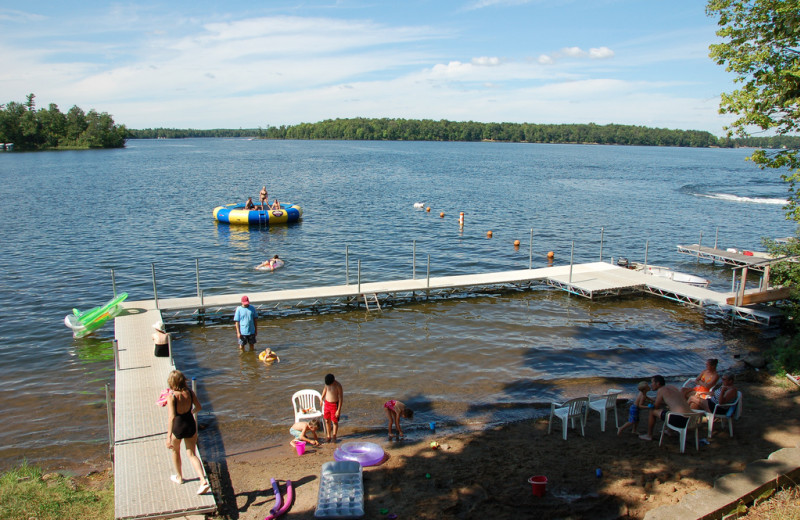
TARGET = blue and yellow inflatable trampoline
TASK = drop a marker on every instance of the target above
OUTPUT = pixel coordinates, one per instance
(236, 214)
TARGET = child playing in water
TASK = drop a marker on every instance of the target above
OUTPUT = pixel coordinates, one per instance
(394, 411)
(641, 402)
(269, 356)
(301, 430)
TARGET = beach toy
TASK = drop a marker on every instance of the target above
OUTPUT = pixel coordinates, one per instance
(287, 503)
(162, 399)
(538, 485)
(300, 446)
(384, 511)
(427, 475)
(341, 490)
(598, 472)
(276, 490)
(434, 445)
(277, 264)
(433, 426)
(365, 453)
(84, 323)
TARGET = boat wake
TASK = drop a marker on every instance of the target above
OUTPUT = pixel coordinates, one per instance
(737, 198)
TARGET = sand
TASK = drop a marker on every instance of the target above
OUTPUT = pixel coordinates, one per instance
(485, 474)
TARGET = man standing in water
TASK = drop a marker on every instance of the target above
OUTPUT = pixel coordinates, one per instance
(666, 396)
(246, 318)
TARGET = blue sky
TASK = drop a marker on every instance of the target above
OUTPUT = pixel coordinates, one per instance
(237, 64)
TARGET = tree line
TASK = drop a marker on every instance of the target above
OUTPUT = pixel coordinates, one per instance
(49, 128)
(386, 129)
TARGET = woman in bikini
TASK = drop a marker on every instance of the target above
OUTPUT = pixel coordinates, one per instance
(181, 425)
(703, 384)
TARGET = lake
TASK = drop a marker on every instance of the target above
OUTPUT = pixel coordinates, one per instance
(71, 217)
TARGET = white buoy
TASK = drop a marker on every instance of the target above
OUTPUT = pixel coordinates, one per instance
(419, 204)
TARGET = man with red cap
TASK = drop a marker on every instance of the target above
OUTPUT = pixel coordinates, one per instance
(246, 318)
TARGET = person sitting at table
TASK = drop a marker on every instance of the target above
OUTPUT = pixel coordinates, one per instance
(703, 383)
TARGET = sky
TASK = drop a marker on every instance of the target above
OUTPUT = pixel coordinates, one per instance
(245, 64)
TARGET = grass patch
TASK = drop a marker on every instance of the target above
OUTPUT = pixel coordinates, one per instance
(26, 493)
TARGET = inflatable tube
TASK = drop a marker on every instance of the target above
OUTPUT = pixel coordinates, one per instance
(365, 453)
(278, 498)
(236, 214)
(84, 323)
(276, 265)
(287, 503)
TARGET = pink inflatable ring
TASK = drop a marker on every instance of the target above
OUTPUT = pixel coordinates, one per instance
(365, 453)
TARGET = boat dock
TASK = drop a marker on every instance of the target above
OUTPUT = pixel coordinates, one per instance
(752, 262)
(142, 465)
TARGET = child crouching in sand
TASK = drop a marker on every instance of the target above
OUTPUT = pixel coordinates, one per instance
(641, 402)
(395, 410)
(301, 430)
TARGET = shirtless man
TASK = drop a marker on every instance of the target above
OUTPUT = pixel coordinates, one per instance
(670, 396)
(332, 399)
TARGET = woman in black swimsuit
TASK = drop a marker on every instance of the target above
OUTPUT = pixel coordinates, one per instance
(181, 425)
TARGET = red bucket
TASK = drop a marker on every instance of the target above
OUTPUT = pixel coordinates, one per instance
(539, 485)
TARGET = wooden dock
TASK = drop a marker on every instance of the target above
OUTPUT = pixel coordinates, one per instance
(142, 463)
(752, 262)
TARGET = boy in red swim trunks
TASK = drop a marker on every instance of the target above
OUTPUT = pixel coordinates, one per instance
(332, 399)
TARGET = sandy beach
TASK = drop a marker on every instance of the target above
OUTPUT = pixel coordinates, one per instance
(485, 474)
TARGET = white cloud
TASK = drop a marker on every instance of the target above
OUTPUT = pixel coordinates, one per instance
(601, 53)
(485, 61)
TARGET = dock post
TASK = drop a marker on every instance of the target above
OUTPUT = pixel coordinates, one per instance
(740, 299)
(113, 283)
(733, 280)
(359, 277)
(428, 278)
(571, 254)
(699, 245)
(155, 291)
(414, 260)
(115, 343)
(530, 252)
(194, 391)
(347, 265)
(197, 274)
(646, 247)
(169, 348)
(716, 235)
(602, 232)
(110, 415)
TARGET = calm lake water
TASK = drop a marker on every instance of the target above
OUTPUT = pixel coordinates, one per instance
(70, 217)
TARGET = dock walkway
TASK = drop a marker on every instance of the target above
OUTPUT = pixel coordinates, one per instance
(142, 463)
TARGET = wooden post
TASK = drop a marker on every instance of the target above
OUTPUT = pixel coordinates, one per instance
(741, 288)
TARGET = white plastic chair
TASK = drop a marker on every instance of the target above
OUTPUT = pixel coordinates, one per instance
(725, 412)
(567, 412)
(602, 403)
(692, 420)
(307, 405)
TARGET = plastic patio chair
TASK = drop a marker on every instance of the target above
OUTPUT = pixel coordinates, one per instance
(567, 412)
(725, 412)
(692, 420)
(603, 403)
(307, 405)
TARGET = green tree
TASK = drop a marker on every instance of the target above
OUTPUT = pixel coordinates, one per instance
(761, 48)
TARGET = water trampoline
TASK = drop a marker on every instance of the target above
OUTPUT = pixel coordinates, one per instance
(236, 214)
